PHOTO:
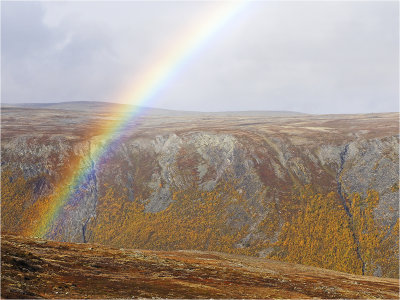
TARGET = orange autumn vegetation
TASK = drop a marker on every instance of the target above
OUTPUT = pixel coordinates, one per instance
(194, 220)
(16, 197)
(307, 227)
(319, 234)
(378, 244)
(21, 211)
(322, 234)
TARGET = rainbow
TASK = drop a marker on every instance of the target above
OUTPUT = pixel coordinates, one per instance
(143, 92)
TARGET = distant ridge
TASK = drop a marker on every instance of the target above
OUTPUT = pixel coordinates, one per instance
(104, 107)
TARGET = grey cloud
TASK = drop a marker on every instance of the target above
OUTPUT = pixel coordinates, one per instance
(42, 63)
(22, 30)
(319, 57)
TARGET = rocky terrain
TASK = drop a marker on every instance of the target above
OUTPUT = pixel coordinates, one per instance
(36, 268)
(320, 190)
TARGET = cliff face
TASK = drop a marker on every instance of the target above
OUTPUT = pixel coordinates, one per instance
(318, 190)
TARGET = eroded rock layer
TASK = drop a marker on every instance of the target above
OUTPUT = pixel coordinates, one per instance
(316, 190)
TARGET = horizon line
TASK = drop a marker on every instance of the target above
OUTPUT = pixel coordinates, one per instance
(19, 104)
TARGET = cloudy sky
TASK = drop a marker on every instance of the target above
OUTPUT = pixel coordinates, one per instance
(315, 57)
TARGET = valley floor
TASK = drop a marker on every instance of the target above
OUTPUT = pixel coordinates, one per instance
(35, 268)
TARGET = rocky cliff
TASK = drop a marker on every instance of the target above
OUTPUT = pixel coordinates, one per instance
(317, 190)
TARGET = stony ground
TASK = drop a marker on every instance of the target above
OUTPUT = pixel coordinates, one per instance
(36, 268)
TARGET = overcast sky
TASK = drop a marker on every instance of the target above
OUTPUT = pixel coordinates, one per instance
(315, 57)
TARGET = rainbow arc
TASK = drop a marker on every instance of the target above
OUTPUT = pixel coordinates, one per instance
(143, 92)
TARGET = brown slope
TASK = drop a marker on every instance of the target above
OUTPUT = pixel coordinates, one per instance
(35, 268)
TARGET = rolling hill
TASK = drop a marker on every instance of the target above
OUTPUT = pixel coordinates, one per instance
(35, 268)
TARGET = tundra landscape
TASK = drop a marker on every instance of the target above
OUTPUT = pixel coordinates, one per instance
(281, 187)
(231, 149)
